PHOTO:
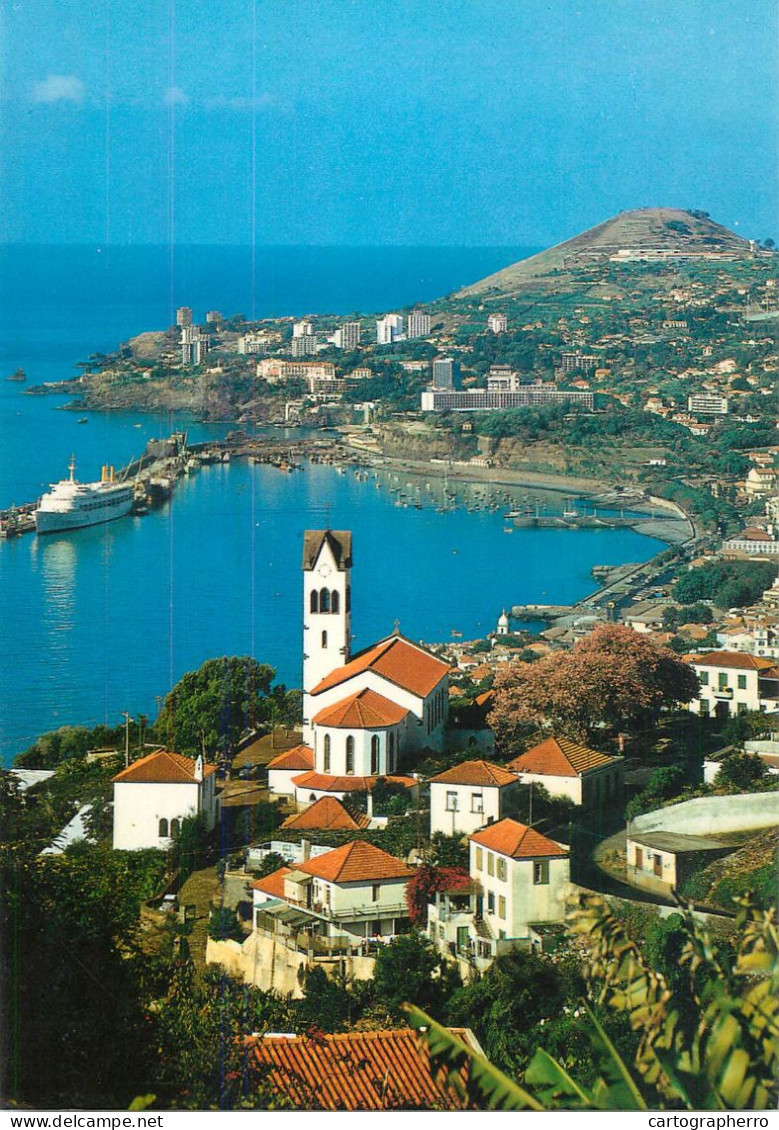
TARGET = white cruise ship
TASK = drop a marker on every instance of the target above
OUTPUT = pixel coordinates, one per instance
(70, 505)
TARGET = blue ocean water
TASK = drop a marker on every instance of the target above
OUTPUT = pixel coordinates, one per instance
(107, 619)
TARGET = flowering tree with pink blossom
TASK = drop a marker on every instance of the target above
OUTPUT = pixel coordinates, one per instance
(613, 678)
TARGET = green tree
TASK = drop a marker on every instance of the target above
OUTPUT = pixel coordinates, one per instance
(510, 1005)
(410, 966)
(209, 709)
(741, 771)
(726, 1060)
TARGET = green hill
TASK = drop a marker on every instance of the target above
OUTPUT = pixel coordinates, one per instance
(662, 233)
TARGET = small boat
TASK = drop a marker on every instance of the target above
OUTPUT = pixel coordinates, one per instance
(17, 375)
(457, 635)
(83, 420)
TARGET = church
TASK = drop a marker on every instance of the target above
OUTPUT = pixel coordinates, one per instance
(364, 715)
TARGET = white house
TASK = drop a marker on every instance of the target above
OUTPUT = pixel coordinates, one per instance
(733, 682)
(355, 891)
(154, 794)
(468, 796)
(287, 765)
(565, 768)
(519, 883)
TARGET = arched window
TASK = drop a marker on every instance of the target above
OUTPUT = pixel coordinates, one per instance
(327, 753)
(314, 601)
(324, 639)
(350, 754)
(375, 753)
(335, 601)
(175, 827)
(163, 832)
(391, 754)
(324, 600)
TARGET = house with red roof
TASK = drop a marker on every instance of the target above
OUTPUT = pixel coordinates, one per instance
(154, 794)
(468, 796)
(733, 682)
(362, 713)
(286, 766)
(524, 879)
(327, 814)
(567, 769)
(354, 892)
(519, 881)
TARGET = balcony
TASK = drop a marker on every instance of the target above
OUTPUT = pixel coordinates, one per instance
(350, 914)
(724, 694)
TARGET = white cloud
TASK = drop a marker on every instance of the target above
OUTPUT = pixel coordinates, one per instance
(59, 88)
(175, 96)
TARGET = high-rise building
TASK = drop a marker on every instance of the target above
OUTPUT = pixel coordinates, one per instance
(194, 345)
(304, 345)
(303, 329)
(497, 323)
(446, 373)
(213, 318)
(389, 329)
(707, 404)
(350, 335)
(570, 362)
(184, 316)
(418, 324)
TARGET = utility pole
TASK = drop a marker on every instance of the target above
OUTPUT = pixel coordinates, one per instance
(126, 717)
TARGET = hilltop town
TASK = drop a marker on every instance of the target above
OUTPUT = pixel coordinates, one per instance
(547, 858)
(641, 352)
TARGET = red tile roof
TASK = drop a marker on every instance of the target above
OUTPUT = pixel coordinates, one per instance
(272, 884)
(475, 773)
(324, 783)
(358, 1071)
(559, 757)
(327, 812)
(509, 837)
(365, 710)
(163, 768)
(395, 659)
(356, 862)
(739, 660)
(299, 757)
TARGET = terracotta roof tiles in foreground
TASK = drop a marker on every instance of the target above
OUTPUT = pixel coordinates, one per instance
(299, 757)
(395, 659)
(365, 710)
(327, 812)
(509, 837)
(559, 757)
(475, 773)
(162, 768)
(356, 862)
(356, 1071)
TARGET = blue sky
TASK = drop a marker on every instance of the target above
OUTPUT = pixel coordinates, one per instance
(381, 121)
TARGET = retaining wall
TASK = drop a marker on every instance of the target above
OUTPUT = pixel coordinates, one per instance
(706, 816)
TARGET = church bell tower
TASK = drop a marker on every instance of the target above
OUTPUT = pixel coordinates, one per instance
(327, 563)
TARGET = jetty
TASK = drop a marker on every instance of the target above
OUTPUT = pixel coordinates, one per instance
(164, 462)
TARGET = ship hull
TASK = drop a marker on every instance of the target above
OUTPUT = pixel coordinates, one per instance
(62, 521)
